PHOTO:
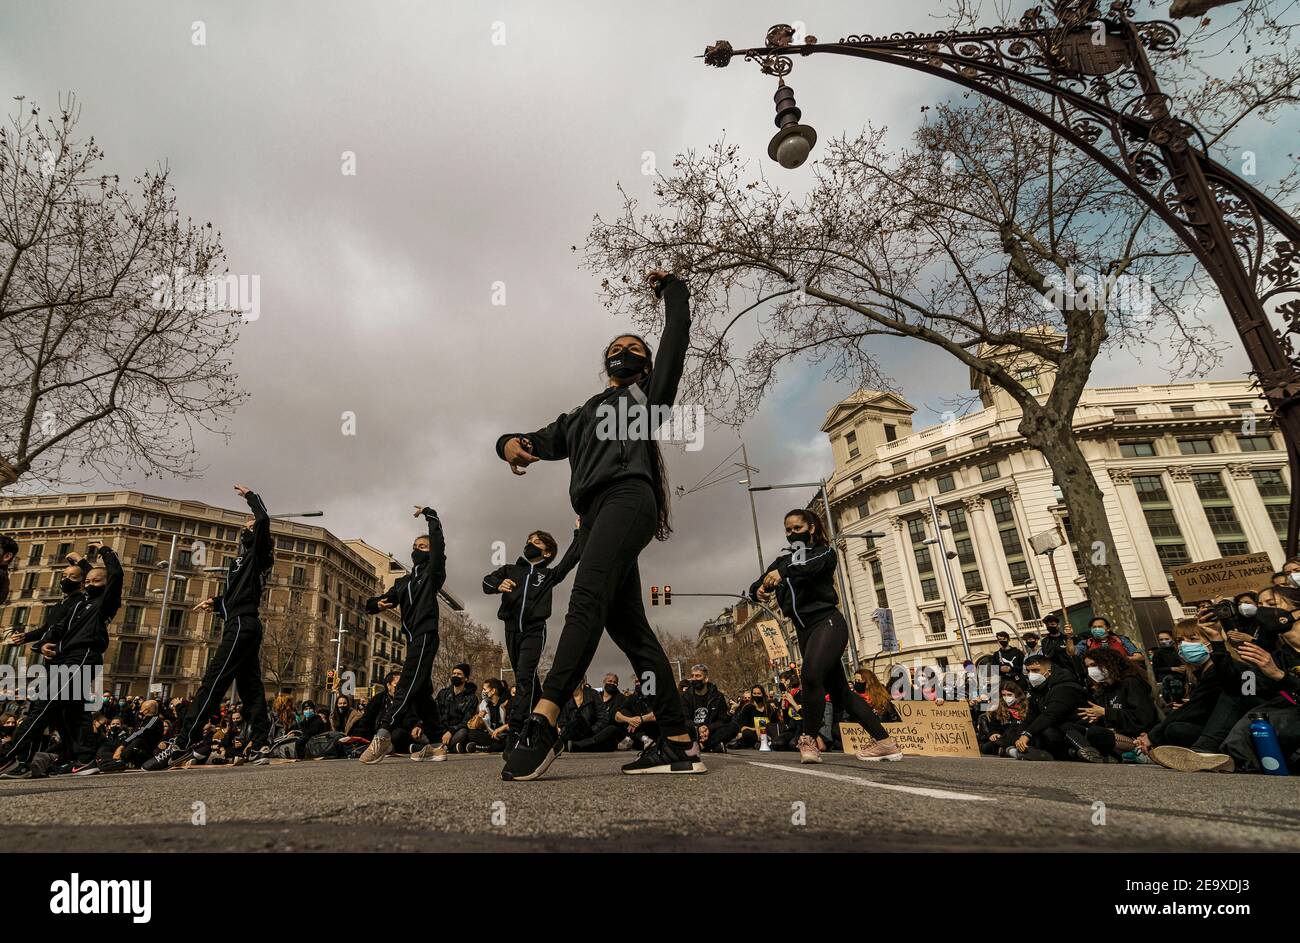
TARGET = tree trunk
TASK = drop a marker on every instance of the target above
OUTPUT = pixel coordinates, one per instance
(1108, 590)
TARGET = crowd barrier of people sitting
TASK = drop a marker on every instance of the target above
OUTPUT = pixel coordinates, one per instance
(1218, 692)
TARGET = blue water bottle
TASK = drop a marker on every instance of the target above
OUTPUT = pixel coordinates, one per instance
(1267, 748)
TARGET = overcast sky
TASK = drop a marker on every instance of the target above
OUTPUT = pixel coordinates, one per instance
(476, 163)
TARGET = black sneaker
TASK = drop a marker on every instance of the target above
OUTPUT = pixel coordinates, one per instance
(41, 765)
(62, 769)
(1085, 751)
(664, 756)
(534, 751)
(110, 766)
(17, 770)
(169, 756)
(7, 765)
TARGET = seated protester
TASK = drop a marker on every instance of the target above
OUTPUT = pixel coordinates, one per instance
(344, 715)
(637, 718)
(1102, 634)
(456, 704)
(308, 724)
(1260, 658)
(756, 715)
(1057, 646)
(1277, 656)
(1190, 738)
(868, 687)
(1169, 668)
(365, 727)
(579, 715)
(283, 716)
(1054, 696)
(997, 729)
(606, 732)
(706, 712)
(1120, 706)
(790, 722)
(486, 731)
(131, 751)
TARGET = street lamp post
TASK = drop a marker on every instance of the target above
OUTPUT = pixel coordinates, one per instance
(1105, 100)
(162, 616)
(338, 651)
(834, 537)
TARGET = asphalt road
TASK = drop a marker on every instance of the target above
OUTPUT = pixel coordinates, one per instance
(747, 801)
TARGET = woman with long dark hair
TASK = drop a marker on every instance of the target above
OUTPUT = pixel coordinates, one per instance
(619, 487)
(802, 581)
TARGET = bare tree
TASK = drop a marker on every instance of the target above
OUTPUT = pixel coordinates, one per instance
(103, 370)
(987, 237)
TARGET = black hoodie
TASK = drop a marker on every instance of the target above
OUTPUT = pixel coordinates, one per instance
(455, 710)
(247, 574)
(57, 614)
(529, 603)
(1053, 703)
(416, 593)
(707, 708)
(597, 459)
(806, 592)
(1130, 706)
(83, 637)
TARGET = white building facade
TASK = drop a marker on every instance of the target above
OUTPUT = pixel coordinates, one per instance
(1189, 472)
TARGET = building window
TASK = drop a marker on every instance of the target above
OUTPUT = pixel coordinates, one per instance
(1012, 548)
(1255, 443)
(989, 471)
(1028, 608)
(1182, 409)
(905, 495)
(898, 464)
(1125, 411)
(979, 616)
(939, 452)
(965, 548)
(1137, 448)
(1028, 378)
(1161, 522)
(1196, 446)
(979, 440)
(147, 553)
(938, 624)
(1220, 512)
(924, 559)
(891, 433)
(1276, 496)
(133, 616)
(946, 483)
(878, 583)
(851, 440)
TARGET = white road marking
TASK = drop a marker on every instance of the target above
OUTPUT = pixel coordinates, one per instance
(915, 790)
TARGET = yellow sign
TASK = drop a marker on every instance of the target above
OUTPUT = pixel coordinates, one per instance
(1226, 576)
(926, 729)
(773, 640)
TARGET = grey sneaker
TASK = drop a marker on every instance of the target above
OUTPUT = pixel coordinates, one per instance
(808, 752)
(378, 748)
(433, 753)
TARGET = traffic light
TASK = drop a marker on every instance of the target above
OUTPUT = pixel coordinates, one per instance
(329, 679)
(654, 595)
(668, 595)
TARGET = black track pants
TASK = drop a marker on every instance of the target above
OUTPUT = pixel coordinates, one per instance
(64, 710)
(412, 703)
(607, 597)
(525, 651)
(823, 646)
(237, 661)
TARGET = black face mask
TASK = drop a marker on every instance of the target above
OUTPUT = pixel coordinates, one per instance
(419, 557)
(611, 689)
(759, 698)
(800, 541)
(246, 539)
(457, 682)
(625, 364)
(93, 591)
(698, 685)
(860, 687)
(532, 552)
(69, 586)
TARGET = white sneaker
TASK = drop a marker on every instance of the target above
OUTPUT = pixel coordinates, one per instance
(435, 754)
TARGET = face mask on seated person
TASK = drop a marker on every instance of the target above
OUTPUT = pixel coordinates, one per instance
(1194, 653)
(1035, 678)
(1096, 674)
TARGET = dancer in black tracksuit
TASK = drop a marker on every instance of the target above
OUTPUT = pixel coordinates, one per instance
(73, 647)
(802, 580)
(238, 656)
(619, 488)
(415, 595)
(526, 589)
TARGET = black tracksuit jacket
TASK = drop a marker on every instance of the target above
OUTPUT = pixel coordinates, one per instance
(806, 592)
(598, 460)
(57, 614)
(455, 710)
(416, 593)
(248, 573)
(529, 603)
(83, 636)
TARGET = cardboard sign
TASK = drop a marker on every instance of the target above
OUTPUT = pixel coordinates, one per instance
(1226, 576)
(773, 640)
(926, 729)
